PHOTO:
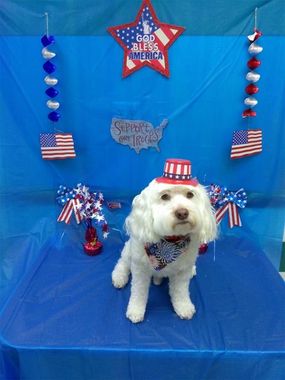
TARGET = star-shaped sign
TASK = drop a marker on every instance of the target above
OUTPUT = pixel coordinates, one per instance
(145, 41)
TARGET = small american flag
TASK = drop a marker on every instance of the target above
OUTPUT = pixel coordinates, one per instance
(57, 146)
(246, 143)
(114, 205)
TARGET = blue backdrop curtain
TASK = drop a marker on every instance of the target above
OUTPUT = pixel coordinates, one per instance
(202, 100)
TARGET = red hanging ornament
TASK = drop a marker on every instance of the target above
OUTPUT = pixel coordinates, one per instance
(251, 89)
(255, 36)
(253, 63)
(251, 138)
(248, 113)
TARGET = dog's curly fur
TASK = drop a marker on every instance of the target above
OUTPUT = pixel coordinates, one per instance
(156, 214)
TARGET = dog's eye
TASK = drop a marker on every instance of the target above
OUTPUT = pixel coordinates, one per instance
(165, 197)
(190, 194)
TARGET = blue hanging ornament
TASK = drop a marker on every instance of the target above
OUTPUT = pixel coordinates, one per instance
(47, 40)
(57, 145)
(52, 92)
(54, 116)
(49, 67)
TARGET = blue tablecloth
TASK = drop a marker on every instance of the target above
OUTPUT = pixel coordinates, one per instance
(66, 321)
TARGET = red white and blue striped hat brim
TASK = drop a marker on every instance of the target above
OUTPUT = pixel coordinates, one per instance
(178, 181)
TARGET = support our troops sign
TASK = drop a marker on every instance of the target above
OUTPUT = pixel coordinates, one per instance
(146, 41)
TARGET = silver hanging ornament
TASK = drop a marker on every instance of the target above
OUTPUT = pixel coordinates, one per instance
(254, 48)
(50, 81)
(53, 105)
(250, 101)
(252, 76)
(47, 54)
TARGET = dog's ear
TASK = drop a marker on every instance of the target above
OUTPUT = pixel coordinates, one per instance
(209, 226)
(139, 223)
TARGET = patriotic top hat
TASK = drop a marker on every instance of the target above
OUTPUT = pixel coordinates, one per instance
(177, 172)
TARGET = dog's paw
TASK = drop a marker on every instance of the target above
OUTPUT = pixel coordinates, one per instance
(185, 310)
(135, 315)
(157, 280)
(119, 279)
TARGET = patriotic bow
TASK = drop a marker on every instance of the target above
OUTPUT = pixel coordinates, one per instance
(225, 200)
(67, 198)
(84, 204)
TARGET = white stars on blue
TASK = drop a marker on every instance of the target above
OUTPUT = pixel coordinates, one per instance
(145, 25)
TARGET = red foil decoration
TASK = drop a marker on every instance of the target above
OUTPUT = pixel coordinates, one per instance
(203, 249)
(92, 246)
(90, 234)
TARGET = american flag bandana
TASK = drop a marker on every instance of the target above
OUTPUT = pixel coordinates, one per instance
(164, 252)
(145, 41)
(246, 143)
(56, 146)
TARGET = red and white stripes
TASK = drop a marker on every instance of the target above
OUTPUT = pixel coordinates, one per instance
(72, 206)
(234, 218)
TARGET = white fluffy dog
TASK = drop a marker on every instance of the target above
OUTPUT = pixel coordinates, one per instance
(167, 224)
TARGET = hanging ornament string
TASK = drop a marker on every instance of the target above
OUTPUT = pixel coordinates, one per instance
(49, 69)
(56, 145)
(252, 76)
(255, 19)
(248, 142)
(46, 16)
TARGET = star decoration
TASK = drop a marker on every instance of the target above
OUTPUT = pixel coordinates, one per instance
(146, 41)
(98, 205)
(99, 218)
(105, 235)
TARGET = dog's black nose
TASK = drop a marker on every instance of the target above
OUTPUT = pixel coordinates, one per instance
(181, 213)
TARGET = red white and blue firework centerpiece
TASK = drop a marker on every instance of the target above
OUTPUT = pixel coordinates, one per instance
(87, 207)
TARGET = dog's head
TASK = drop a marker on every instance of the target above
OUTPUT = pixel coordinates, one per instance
(165, 210)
